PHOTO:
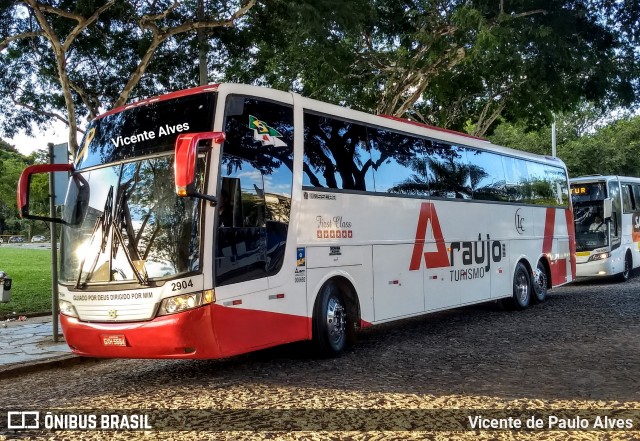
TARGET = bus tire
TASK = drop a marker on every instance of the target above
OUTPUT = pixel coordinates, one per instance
(626, 272)
(521, 288)
(540, 283)
(330, 321)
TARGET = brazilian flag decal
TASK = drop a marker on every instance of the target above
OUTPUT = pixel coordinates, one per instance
(264, 133)
(262, 127)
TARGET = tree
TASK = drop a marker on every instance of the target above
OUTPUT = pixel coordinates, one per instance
(527, 61)
(612, 150)
(67, 58)
(586, 142)
(460, 64)
(11, 165)
(455, 64)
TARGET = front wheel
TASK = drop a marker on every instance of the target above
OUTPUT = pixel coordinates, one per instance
(626, 272)
(330, 321)
(540, 280)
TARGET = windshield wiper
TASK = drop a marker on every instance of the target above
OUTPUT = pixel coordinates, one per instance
(143, 279)
(105, 221)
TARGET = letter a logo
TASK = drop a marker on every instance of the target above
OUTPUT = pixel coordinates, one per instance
(433, 259)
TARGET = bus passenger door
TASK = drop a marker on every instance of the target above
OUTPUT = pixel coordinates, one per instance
(241, 234)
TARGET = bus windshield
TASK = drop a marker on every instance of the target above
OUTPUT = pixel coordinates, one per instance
(591, 227)
(133, 227)
(124, 221)
(588, 212)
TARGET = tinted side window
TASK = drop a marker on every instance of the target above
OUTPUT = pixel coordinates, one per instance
(558, 181)
(241, 238)
(487, 176)
(261, 132)
(336, 154)
(448, 171)
(399, 163)
(540, 189)
(636, 195)
(628, 200)
(517, 178)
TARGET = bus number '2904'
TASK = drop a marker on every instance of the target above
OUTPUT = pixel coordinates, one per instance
(184, 284)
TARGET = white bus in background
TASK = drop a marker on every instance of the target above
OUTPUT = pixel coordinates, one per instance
(607, 224)
(334, 220)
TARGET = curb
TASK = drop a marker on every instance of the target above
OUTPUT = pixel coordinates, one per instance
(61, 361)
(26, 314)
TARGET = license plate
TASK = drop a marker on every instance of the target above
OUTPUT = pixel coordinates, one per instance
(583, 253)
(114, 340)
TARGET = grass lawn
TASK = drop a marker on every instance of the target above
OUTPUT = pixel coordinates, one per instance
(30, 271)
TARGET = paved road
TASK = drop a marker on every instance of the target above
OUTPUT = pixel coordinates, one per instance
(578, 350)
(46, 245)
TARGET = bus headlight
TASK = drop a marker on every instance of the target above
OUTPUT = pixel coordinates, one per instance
(184, 302)
(67, 308)
(599, 256)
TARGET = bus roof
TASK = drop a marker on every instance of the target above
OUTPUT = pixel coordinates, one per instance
(428, 126)
(166, 96)
(603, 178)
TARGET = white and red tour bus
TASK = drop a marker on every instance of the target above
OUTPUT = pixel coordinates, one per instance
(229, 218)
(607, 225)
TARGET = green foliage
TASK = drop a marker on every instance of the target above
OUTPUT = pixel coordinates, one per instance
(516, 136)
(11, 165)
(607, 149)
(460, 64)
(444, 63)
(612, 150)
(306, 46)
(535, 58)
(104, 64)
(30, 271)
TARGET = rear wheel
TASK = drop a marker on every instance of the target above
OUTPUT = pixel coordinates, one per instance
(540, 280)
(330, 321)
(521, 288)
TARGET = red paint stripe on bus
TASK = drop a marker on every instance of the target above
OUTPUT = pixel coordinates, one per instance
(212, 331)
(549, 227)
(572, 241)
(243, 330)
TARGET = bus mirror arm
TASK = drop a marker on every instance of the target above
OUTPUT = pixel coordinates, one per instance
(212, 199)
(184, 166)
(22, 193)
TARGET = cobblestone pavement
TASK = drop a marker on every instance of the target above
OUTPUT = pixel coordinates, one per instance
(577, 354)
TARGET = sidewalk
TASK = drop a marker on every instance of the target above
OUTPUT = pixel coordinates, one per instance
(25, 345)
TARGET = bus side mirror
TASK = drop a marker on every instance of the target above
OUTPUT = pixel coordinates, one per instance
(23, 188)
(184, 166)
(608, 208)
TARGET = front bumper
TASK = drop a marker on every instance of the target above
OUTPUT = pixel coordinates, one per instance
(211, 331)
(184, 335)
(598, 268)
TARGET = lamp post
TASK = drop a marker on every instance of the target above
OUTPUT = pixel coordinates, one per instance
(553, 136)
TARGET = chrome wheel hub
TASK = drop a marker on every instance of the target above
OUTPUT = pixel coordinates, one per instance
(540, 280)
(336, 320)
(522, 288)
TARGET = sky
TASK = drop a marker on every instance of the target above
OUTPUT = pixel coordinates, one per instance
(57, 134)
